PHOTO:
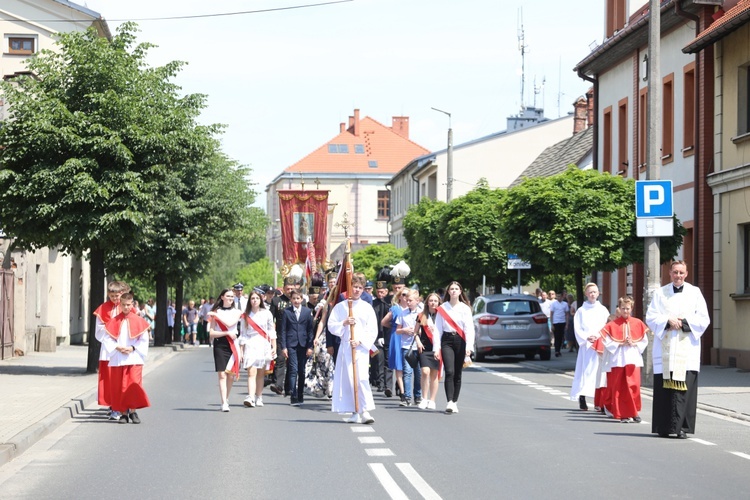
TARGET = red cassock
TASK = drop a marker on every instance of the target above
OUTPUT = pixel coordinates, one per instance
(127, 378)
(624, 376)
(104, 313)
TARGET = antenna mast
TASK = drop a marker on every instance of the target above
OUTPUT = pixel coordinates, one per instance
(522, 47)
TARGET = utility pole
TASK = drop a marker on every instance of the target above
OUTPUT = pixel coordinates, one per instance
(653, 166)
(449, 173)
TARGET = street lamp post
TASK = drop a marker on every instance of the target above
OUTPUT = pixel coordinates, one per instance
(449, 173)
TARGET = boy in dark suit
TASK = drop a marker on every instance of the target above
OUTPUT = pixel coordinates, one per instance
(296, 344)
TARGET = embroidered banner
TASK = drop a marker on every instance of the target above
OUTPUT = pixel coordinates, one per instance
(303, 217)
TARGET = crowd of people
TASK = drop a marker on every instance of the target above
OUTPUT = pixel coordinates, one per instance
(387, 338)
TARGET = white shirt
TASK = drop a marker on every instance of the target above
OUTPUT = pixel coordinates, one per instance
(462, 316)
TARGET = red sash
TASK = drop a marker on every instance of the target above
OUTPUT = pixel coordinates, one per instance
(234, 361)
(450, 322)
(262, 333)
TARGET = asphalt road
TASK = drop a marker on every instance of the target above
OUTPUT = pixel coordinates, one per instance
(516, 436)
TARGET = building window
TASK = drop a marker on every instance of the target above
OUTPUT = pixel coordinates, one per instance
(622, 137)
(615, 16)
(384, 204)
(338, 148)
(372, 163)
(642, 126)
(359, 149)
(332, 148)
(688, 106)
(607, 141)
(667, 130)
(20, 45)
(743, 100)
(343, 148)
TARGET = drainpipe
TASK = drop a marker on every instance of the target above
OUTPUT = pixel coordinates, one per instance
(696, 156)
(595, 147)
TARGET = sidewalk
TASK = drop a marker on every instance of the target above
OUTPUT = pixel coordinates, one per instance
(720, 390)
(42, 390)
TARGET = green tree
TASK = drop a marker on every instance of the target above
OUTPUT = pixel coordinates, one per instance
(256, 273)
(425, 253)
(576, 223)
(370, 260)
(90, 147)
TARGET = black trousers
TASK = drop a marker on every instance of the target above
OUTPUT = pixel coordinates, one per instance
(377, 376)
(674, 411)
(453, 350)
(559, 331)
(297, 360)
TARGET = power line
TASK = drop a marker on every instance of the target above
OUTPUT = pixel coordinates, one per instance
(196, 16)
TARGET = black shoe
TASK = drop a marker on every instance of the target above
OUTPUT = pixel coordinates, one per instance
(417, 401)
(388, 393)
(624, 420)
(135, 418)
(637, 420)
(275, 389)
(123, 419)
(663, 434)
(408, 402)
(582, 403)
(681, 435)
(557, 354)
(403, 401)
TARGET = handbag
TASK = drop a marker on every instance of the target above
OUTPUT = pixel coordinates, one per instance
(412, 356)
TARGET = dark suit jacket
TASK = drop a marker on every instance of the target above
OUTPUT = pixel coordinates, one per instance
(297, 333)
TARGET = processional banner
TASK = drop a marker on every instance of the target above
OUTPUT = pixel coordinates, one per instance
(303, 220)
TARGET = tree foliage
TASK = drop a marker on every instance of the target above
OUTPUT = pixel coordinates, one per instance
(371, 259)
(425, 254)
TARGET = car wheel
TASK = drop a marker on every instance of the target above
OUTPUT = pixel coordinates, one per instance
(545, 355)
(529, 355)
(478, 356)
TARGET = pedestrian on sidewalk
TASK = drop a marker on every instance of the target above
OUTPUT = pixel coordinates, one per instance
(358, 333)
(678, 316)
(222, 330)
(104, 313)
(127, 339)
(455, 325)
(625, 338)
(588, 321)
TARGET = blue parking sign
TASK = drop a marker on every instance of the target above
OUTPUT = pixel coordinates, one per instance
(653, 199)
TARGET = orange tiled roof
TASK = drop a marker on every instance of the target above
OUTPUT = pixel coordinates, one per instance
(726, 24)
(379, 144)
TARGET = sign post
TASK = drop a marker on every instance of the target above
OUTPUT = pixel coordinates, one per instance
(515, 263)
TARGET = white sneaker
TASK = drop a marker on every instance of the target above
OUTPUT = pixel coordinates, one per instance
(354, 419)
(430, 405)
(423, 404)
(259, 401)
(250, 401)
(367, 418)
(455, 407)
(115, 415)
(225, 407)
(450, 407)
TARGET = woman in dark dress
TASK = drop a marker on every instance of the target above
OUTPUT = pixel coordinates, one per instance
(430, 366)
(222, 330)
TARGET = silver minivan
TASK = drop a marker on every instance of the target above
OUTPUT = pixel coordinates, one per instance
(510, 324)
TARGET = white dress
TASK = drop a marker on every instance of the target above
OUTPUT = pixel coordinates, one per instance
(256, 350)
(366, 331)
(589, 320)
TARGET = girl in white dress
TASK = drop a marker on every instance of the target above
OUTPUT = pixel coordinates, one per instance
(258, 345)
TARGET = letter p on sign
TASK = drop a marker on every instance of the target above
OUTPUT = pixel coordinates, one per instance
(653, 199)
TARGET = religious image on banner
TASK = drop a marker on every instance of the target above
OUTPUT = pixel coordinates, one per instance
(304, 227)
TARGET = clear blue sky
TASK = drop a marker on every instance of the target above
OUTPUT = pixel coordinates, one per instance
(282, 81)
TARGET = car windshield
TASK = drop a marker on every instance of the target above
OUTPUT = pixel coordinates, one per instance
(511, 307)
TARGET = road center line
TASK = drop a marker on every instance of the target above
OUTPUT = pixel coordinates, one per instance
(387, 481)
(418, 482)
(740, 454)
(702, 441)
(371, 440)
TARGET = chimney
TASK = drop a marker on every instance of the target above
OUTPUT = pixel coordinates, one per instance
(356, 123)
(590, 106)
(401, 126)
(580, 115)
(342, 127)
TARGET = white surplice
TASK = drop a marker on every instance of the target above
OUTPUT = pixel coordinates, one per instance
(588, 320)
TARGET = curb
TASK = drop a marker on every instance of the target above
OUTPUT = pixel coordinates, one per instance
(648, 392)
(22, 441)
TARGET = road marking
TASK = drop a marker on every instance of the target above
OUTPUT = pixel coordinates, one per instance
(387, 482)
(740, 454)
(418, 482)
(701, 441)
(362, 429)
(371, 440)
(379, 452)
